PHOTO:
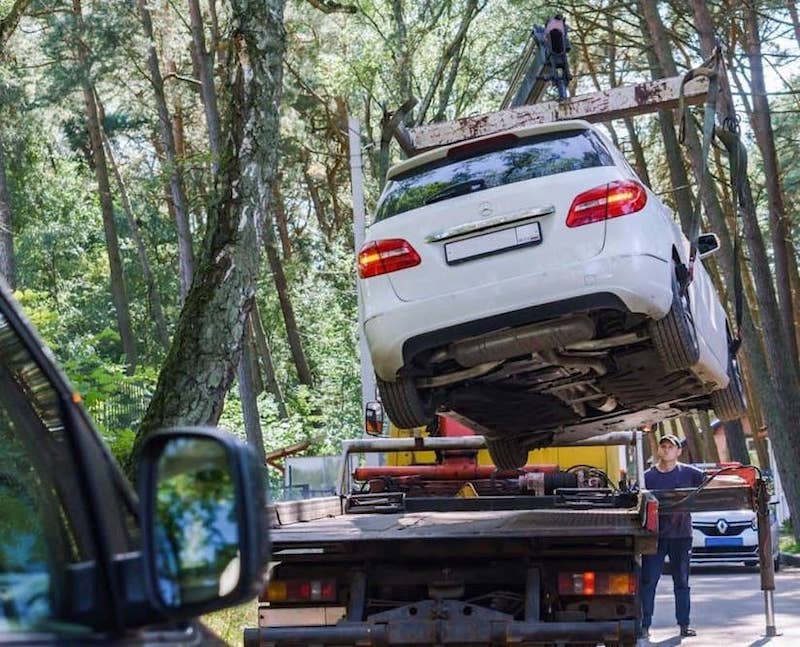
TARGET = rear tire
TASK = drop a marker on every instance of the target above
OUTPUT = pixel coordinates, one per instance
(729, 403)
(403, 403)
(507, 453)
(674, 336)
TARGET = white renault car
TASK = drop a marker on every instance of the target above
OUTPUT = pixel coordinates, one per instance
(529, 284)
(731, 537)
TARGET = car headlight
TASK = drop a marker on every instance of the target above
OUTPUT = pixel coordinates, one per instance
(754, 523)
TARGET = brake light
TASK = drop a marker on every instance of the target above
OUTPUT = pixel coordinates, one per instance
(596, 583)
(611, 200)
(651, 515)
(300, 591)
(383, 256)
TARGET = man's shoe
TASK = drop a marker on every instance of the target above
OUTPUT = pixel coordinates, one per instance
(644, 633)
(687, 631)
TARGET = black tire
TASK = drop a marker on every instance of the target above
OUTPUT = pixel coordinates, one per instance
(674, 336)
(507, 453)
(729, 403)
(404, 405)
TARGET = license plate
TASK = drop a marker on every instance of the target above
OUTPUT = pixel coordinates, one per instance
(493, 243)
(723, 541)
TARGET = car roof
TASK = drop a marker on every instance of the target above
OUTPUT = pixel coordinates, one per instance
(441, 152)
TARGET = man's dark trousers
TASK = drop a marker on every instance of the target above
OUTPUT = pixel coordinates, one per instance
(679, 550)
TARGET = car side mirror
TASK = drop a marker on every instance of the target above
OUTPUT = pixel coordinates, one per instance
(373, 418)
(707, 244)
(204, 522)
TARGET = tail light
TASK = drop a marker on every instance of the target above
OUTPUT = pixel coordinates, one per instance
(299, 591)
(596, 583)
(611, 200)
(383, 256)
(651, 515)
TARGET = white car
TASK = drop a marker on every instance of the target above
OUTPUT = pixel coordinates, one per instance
(528, 283)
(730, 537)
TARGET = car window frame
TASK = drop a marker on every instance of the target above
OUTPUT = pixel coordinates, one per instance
(99, 474)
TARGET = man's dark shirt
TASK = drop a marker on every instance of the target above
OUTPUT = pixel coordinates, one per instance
(674, 524)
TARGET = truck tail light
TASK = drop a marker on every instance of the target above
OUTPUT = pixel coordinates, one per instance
(388, 255)
(596, 583)
(299, 591)
(611, 200)
(651, 515)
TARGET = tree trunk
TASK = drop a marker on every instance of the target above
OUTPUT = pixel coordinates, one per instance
(173, 170)
(786, 433)
(205, 70)
(289, 320)
(153, 294)
(762, 128)
(710, 449)
(695, 449)
(7, 261)
(792, 6)
(281, 221)
(207, 344)
(265, 353)
(737, 447)
(638, 151)
(118, 291)
(249, 397)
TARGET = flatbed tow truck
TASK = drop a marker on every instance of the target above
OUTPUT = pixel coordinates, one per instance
(458, 553)
(453, 552)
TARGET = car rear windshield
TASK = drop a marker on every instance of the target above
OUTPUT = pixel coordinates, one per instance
(476, 166)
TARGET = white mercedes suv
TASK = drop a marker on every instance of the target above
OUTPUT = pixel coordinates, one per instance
(529, 284)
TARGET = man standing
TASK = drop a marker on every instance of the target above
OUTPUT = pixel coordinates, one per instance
(674, 535)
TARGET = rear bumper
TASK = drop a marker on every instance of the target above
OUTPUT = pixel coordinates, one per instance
(462, 631)
(395, 330)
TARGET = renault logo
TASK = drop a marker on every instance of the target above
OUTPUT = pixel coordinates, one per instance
(722, 526)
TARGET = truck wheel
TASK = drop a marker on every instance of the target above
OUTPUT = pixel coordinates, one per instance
(674, 336)
(403, 403)
(507, 453)
(729, 403)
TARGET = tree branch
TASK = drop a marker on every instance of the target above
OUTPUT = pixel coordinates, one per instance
(329, 6)
(11, 19)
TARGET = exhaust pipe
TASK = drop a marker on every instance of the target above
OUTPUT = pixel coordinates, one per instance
(513, 342)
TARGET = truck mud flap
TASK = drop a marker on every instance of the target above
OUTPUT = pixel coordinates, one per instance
(452, 623)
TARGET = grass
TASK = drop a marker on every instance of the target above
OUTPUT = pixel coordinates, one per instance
(229, 624)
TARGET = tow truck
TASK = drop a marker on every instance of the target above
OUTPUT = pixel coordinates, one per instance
(432, 545)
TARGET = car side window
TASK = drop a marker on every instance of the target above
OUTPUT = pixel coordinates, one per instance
(44, 529)
(513, 161)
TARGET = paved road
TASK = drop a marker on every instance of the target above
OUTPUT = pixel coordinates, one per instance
(728, 610)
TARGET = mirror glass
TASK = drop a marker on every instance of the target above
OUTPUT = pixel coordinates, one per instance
(707, 244)
(195, 527)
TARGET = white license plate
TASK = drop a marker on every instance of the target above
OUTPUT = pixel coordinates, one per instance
(493, 243)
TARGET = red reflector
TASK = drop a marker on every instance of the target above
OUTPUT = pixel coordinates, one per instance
(588, 583)
(383, 256)
(301, 591)
(651, 516)
(611, 200)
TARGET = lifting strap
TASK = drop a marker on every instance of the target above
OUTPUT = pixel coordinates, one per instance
(709, 69)
(737, 155)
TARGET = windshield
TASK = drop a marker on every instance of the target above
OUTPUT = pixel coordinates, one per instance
(472, 168)
(43, 531)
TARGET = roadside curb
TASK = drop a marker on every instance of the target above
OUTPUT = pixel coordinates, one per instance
(790, 559)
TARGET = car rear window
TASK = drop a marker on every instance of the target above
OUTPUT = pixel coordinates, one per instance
(503, 160)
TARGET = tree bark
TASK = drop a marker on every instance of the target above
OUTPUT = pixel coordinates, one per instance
(762, 128)
(265, 353)
(7, 260)
(281, 221)
(207, 343)
(173, 170)
(118, 291)
(710, 449)
(290, 321)
(786, 433)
